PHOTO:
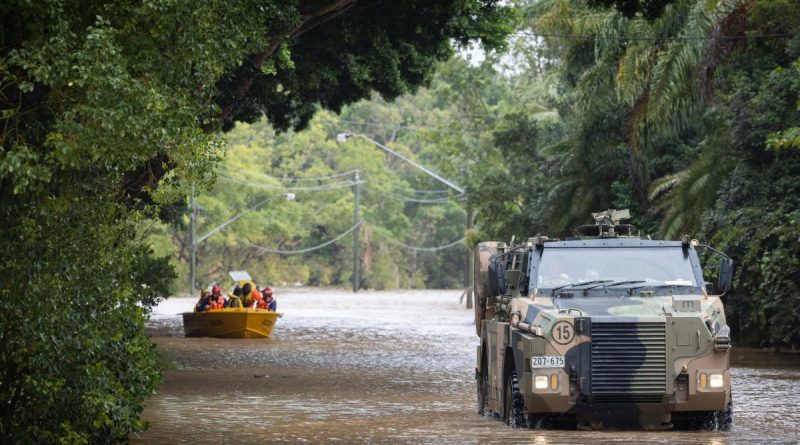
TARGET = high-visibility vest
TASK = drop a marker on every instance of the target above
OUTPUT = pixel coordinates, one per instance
(270, 305)
(234, 301)
(216, 303)
(247, 300)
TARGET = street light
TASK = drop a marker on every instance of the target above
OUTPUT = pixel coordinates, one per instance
(194, 241)
(342, 137)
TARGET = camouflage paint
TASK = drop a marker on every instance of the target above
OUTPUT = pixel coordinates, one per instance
(649, 350)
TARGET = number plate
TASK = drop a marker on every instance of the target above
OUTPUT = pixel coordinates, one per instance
(547, 361)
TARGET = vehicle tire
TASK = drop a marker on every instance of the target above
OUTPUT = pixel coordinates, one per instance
(705, 420)
(692, 420)
(514, 404)
(483, 389)
(724, 419)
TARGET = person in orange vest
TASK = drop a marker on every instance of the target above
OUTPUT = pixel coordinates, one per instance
(257, 297)
(267, 302)
(216, 300)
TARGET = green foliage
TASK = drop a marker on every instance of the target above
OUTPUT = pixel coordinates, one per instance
(77, 363)
(650, 9)
(264, 165)
(686, 114)
(756, 222)
(685, 100)
(107, 117)
(390, 48)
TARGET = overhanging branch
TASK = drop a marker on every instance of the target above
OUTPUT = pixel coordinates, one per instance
(245, 79)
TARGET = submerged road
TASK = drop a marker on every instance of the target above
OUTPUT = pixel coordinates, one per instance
(390, 367)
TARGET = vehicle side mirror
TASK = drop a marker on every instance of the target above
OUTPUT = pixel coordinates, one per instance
(725, 276)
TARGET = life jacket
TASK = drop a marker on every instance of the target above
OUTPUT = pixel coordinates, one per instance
(269, 305)
(253, 296)
(234, 301)
(243, 282)
(257, 298)
(216, 303)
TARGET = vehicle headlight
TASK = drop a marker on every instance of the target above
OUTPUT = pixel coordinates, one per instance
(540, 382)
(716, 380)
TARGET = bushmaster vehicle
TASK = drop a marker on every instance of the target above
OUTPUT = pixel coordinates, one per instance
(602, 330)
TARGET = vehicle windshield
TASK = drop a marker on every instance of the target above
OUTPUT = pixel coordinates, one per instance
(607, 266)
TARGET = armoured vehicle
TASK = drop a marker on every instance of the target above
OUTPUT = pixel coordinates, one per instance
(602, 330)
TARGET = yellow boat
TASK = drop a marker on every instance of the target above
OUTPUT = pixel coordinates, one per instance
(230, 323)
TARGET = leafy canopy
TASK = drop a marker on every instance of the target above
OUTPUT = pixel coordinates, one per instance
(110, 110)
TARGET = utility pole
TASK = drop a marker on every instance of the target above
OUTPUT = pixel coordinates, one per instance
(342, 137)
(195, 241)
(356, 247)
(192, 242)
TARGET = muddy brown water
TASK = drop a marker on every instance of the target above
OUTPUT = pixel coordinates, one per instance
(390, 367)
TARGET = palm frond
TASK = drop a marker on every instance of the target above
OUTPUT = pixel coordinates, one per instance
(684, 196)
(674, 90)
(665, 184)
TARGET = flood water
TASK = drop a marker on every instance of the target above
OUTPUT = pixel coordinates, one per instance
(390, 367)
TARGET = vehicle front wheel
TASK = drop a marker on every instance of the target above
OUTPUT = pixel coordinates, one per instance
(704, 420)
(724, 419)
(514, 404)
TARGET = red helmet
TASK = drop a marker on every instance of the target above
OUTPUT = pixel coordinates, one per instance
(267, 292)
(216, 290)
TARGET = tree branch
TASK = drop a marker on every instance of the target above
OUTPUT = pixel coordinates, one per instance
(310, 21)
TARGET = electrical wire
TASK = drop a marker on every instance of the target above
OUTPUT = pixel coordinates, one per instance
(429, 192)
(306, 250)
(423, 249)
(232, 220)
(294, 179)
(332, 186)
(407, 199)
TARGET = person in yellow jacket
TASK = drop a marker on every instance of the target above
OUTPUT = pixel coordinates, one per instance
(250, 294)
(235, 299)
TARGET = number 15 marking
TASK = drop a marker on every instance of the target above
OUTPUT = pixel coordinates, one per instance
(563, 332)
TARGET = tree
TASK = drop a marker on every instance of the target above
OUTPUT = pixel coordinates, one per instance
(401, 207)
(703, 97)
(108, 111)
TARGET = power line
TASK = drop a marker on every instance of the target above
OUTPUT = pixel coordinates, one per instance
(332, 186)
(306, 250)
(293, 179)
(424, 249)
(230, 221)
(431, 192)
(634, 38)
(407, 199)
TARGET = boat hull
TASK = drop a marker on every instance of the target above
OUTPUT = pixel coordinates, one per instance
(230, 323)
